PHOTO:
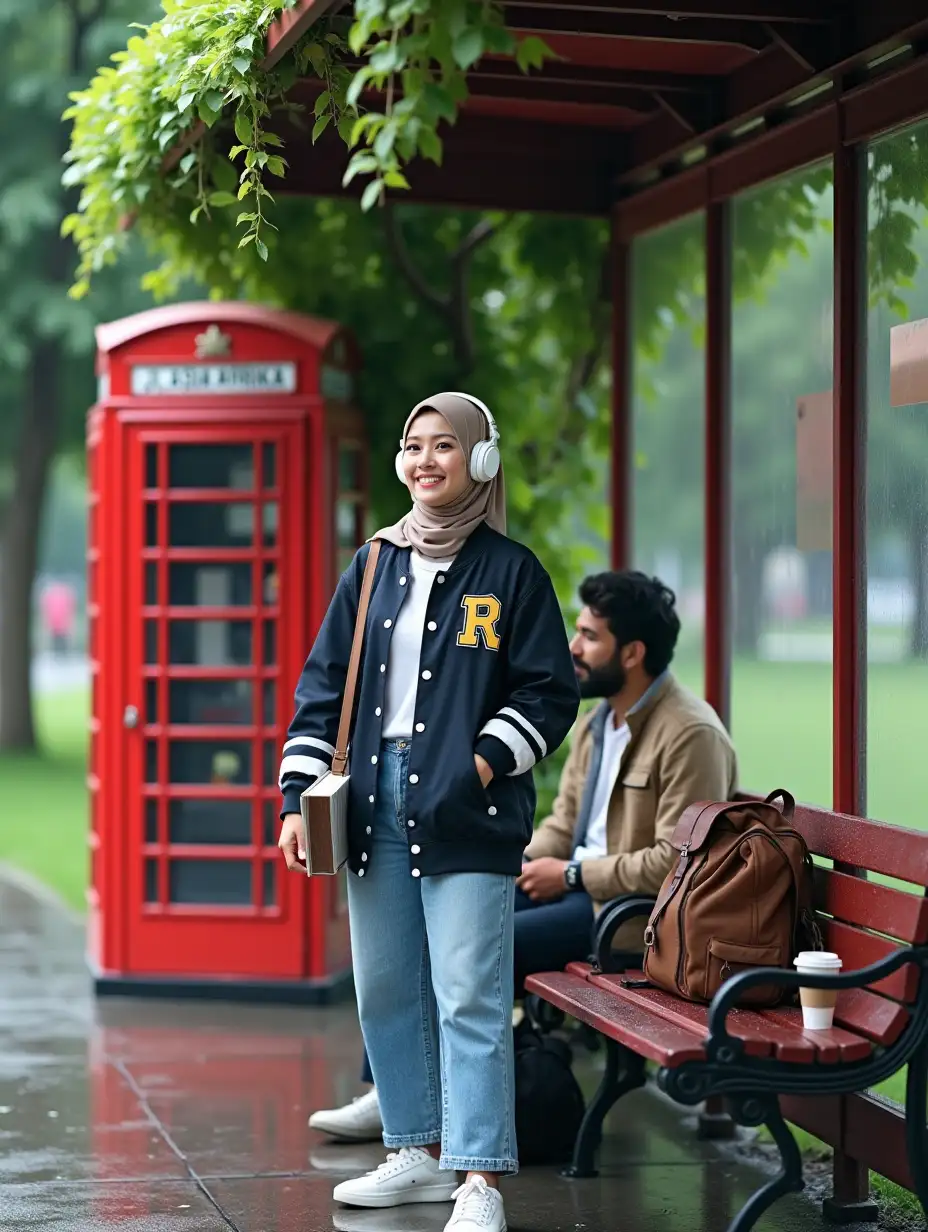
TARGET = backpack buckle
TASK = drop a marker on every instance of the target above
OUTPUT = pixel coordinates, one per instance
(649, 936)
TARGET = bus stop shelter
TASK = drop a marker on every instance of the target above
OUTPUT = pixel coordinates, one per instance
(655, 120)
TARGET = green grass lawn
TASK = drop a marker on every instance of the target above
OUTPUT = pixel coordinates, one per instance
(781, 722)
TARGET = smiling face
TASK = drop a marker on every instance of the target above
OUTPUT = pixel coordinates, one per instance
(434, 465)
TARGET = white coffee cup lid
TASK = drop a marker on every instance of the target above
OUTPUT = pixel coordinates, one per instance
(821, 959)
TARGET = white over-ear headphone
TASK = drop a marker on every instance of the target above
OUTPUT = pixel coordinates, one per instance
(484, 457)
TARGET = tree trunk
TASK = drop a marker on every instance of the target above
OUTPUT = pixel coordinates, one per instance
(918, 546)
(20, 545)
(747, 608)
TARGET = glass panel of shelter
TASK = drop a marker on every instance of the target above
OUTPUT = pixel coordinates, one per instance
(210, 598)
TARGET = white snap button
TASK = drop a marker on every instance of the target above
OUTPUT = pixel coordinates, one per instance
(492, 810)
(387, 624)
(426, 675)
(415, 849)
(432, 626)
(402, 581)
(414, 778)
(441, 577)
(360, 872)
(368, 829)
(416, 873)
(411, 824)
(420, 727)
(364, 856)
(374, 761)
(378, 712)
(371, 799)
(383, 667)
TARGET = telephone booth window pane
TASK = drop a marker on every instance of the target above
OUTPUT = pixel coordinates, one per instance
(211, 466)
(349, 468)
(151, 701)
(223, 822)
(269, 464)
(151, 641)
(270, 643)
(151, 761)
(271, 763)
(151, 525)
(151, 821)
(271, 584)
(211, 701)
(271, 823)
(191, 584)
(346, 524)
(151, 881)
(220, 883)
(221, 762)
(151, 583)
(269, 889)
(210, 643)
(269, 523)
(151, 466)
(211, 524)
(270, 702)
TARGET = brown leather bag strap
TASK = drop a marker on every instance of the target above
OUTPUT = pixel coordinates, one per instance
(342, 740)
(692, 830)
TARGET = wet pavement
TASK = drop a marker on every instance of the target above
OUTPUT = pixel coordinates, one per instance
(168, 1117)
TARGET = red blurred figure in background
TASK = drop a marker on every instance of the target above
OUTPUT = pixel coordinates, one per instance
(59, 608)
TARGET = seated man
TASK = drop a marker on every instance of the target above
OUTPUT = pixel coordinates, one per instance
(650, 749)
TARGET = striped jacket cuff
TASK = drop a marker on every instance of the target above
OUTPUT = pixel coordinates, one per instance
(524, 740)
(306, 757)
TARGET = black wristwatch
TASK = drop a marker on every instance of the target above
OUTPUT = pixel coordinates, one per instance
(573, 876)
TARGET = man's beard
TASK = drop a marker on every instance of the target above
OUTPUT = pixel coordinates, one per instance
(601, 681)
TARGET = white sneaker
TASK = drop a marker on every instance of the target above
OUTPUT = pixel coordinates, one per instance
(477, 1208)
(359, 1121)
(408, 1175)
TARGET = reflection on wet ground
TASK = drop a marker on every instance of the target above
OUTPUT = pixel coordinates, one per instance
(156, 1117)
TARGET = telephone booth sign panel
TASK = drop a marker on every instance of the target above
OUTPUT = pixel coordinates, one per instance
(227, 468)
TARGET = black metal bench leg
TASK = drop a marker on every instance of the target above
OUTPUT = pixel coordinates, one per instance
(624, 1072)
(754, 1111)
(916, 1132)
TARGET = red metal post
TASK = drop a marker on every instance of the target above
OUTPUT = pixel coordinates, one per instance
(718, 460)
(849, 549)
(622, 343)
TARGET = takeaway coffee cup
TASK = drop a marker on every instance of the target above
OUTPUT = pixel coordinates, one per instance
(818, 1004)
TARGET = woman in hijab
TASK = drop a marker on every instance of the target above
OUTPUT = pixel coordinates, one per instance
(466, 682)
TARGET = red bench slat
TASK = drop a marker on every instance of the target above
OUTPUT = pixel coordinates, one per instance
(833, 1046)
(880, 848)
(640, 1030)
(859, 949)
(868, 904)
(871, 1015)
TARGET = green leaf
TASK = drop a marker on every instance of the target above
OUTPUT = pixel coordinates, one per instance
(243, 65)
(371, 195)
(277, 166)
(468, 47)
(214, 100)
(322, 103)
(358, 83)
(185, 100)
(222, 198)
(208, 116)
(261, 248)
(243, 127)
(361, 164)
(430, 145)
(532, 53)
(395, 179)
(385, 58)
(188, 162)
(438, 103)
(320, 126)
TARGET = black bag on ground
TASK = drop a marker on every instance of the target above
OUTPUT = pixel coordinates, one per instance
(549, 1102)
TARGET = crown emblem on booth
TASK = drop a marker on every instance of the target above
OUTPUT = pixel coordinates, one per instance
(213, 343)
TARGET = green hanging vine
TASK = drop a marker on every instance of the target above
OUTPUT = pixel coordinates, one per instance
(150, 142)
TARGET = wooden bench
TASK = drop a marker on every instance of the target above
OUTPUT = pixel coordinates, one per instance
(763, 1063)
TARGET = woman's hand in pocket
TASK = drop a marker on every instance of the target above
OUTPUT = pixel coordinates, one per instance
(484, 770)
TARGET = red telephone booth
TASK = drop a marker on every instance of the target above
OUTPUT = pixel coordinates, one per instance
(227, 472)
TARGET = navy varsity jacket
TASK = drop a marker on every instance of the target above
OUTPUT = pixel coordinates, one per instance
(495, 677)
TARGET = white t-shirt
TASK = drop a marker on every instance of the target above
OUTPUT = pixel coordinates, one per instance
(615, 742)
(406, 649)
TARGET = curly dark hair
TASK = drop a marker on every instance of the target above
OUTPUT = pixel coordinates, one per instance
(637, 608)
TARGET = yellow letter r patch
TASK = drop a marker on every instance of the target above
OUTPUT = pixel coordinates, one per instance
(481, 613)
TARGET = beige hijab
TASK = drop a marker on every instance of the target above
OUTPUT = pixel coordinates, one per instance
(440, 532)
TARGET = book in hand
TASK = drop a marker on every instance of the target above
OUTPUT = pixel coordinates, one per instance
(324, 807)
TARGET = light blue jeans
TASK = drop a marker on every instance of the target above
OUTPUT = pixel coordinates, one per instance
(433, 970)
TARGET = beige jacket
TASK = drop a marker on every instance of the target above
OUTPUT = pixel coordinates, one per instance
(679, 753)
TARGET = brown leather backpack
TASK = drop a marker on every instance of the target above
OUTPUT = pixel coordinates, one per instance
(738, 898)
